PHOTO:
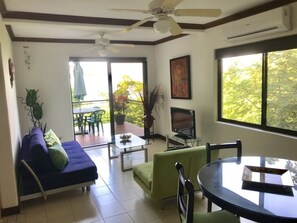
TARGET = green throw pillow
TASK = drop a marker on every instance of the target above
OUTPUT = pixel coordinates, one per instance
(51, 138)
(58, 156)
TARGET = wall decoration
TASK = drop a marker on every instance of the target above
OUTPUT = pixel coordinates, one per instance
(27, 57)
(11, 71)
(180, 78)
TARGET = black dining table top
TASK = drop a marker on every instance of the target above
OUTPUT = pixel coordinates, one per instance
(262, 189)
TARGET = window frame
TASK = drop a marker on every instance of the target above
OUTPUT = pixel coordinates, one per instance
(264, 47)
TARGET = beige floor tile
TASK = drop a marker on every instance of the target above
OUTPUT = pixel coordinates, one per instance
(143, 215)
(124, 218)
(12, 219)
(174, 218)
(105, 200)
(134, 204)
(126, 195)
(115, 198)
(111, 210)
(99, 191)
(84, 208)
(61, 219)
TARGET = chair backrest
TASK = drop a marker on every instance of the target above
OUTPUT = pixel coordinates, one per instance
(185, 204)
(233, 145)
(97, 115)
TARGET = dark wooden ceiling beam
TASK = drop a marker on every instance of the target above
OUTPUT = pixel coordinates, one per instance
(10, 32)
(89, 41)
(123, 22)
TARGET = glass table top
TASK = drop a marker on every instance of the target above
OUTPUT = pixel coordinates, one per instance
(265, 194)
(134, 141)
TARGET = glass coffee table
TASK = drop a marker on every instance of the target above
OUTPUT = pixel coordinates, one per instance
(135, 144)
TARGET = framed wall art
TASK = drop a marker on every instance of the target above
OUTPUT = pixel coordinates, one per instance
(180, 77)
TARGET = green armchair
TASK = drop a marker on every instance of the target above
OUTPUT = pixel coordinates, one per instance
(158, 178)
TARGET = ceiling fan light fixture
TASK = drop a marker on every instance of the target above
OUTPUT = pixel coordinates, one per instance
(163, 25)
(102, 52)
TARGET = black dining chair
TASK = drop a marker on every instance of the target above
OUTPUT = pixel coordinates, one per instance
(94, 119)
(211, 147)
(185, 204)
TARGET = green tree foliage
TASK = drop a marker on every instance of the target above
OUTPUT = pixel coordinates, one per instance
(282, 89)
(242, 89)
(134, 109)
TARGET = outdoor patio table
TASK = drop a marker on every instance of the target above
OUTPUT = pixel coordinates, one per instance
(80, 112)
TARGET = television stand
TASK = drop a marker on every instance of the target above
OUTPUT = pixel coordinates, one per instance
(184, 137)
(181, 140)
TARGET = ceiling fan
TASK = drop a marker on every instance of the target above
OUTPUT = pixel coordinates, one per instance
(161, 9)
(104, 45)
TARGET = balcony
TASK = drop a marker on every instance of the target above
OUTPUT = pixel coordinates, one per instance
(133, 122)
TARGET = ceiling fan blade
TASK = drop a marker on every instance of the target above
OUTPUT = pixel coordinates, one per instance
(139, 23)
(175, 29)
(155, 4)
(113, 49)
(129, 10)
(198, 12)
(170, 4)
(89, 49)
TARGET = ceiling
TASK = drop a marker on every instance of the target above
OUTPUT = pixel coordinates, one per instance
(80, 21)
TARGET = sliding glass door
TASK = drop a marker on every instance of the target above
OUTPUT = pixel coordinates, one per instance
(110, 87)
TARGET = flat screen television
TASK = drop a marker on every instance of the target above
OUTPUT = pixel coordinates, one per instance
(183, 122)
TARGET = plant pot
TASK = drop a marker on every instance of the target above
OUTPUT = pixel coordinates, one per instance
(148, 120)
(119, 119)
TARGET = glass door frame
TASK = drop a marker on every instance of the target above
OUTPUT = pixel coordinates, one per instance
(109, 61)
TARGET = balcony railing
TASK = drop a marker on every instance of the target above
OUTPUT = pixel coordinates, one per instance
(134, 112)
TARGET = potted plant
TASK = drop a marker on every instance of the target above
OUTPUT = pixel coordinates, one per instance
(34, 108)
(149, 101)
(120, 97)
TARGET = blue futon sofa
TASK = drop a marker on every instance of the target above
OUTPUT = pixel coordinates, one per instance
(40, 177)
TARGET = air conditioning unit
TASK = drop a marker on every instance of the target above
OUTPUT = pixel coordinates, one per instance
(273, 21)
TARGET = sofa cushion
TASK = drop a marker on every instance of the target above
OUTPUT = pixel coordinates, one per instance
(39, 151)
(51, 138)
(144, 173)
(58, 156)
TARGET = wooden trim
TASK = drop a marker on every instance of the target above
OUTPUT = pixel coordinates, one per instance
(123, 22)
(71, 19)
(3, 9)
(169, 38)
(10, 32)
(10, 211)
(87, 41)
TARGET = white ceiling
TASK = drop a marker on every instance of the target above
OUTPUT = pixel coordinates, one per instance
(98, 8)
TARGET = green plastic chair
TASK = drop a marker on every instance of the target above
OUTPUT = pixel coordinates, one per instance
(94, 119)
(185, 204)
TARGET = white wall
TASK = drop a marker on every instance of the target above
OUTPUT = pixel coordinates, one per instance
(9, 126)
(49, 72)
(201, 48)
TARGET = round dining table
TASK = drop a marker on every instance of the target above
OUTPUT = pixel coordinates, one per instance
(262, 189)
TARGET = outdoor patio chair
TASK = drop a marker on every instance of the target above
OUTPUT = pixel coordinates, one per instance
(93, 119)
(78, 121)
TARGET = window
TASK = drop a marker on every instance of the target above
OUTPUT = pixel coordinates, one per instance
(258, 85)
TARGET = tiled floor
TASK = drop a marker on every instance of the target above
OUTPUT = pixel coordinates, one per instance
(115, 198)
